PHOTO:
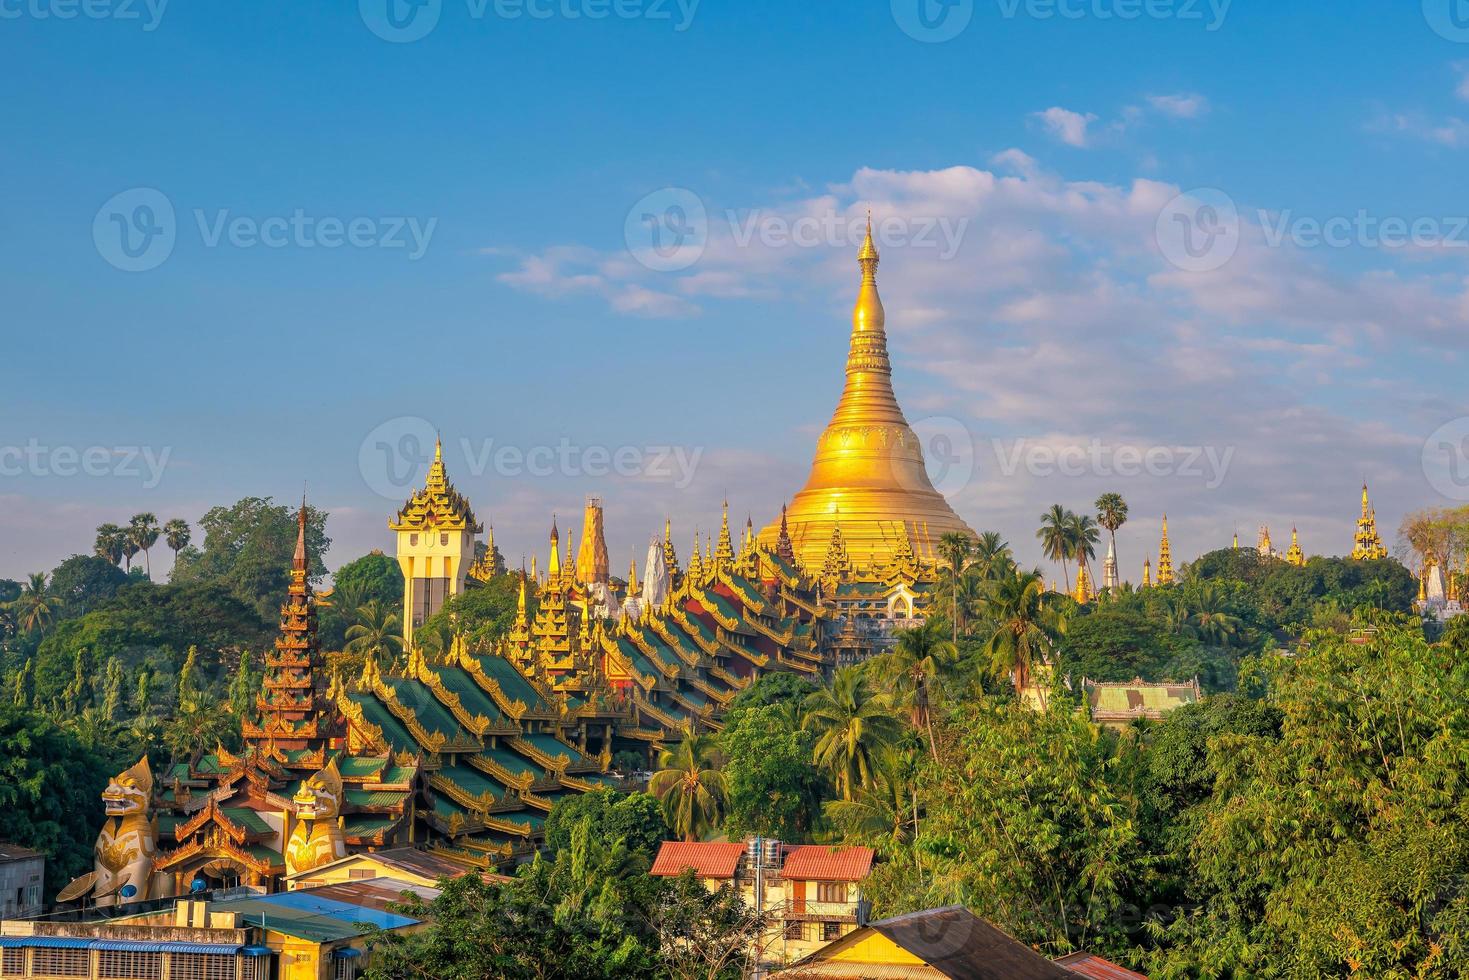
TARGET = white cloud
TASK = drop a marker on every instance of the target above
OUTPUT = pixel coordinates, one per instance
(1067, 126)
(1182, 105)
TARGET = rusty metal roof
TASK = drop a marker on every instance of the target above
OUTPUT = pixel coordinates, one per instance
(708, 859)
(817, 862)
(1087, 965)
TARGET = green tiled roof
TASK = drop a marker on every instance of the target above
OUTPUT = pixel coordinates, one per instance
(364, 825)
(637, 658)
(515, 762)
(515, 686)
(534, 821)
(698, 626)
(249, 819)
(457, 681)
(432, 715)
(553, 746)
(377, 798)
(471, 780)
(358, 766)
(377, 713)
(396, 774)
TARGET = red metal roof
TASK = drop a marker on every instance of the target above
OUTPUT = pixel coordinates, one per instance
(817, 862)
(1087, 965)
(707, 859)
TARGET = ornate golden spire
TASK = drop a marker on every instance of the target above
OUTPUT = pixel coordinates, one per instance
(783, 539)
(724, 556)
(1368, 543)
(1147, 572)
(1295, 555)
(1165, 557)
(632, 574)
(553, 570)
(868, 462)
(1083, 593)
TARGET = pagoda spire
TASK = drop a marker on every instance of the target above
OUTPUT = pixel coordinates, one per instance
(1368, 543)
(553, 570)
(670, 557)
(1147, 572)
(783, 540)
(1165, 557)
(1109, 567)
(1295, 555)
(724, 556)
(632, 574)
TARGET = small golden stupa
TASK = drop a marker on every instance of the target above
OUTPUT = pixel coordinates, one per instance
(868, 476)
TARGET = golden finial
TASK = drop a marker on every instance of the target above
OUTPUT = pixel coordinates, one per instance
(867, 257)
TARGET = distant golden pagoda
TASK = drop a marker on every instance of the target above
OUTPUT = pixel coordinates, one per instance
(1295, 555)
(1165, 557)
(1264, 547)
(1368, 543)
(1083, 593)
(1147, 572)
(869, 463)
(591, 559)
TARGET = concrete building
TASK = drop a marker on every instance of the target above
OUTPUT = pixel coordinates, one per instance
(22, 881)
(311, 934)
(811, 893)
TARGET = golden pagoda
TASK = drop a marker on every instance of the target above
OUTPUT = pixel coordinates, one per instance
(1264, 547)
(869, 463)
(1368, 543)
(1295, 555)
(1083, 593)
(1147, 572)
(1165, 557)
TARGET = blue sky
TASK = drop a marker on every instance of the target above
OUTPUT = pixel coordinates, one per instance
(1062, 320)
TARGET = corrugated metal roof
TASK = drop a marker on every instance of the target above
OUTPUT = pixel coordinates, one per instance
(817, 862)
(14, 852)
(837, 970)
(321, 917)
(708, 859)
(1087, 965)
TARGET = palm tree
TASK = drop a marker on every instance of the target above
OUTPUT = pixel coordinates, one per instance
(1055, 537)
(1112, 514)
(1209, 619)
(882, 816)
(955, 547)
(177, 534)
(690, 785)
(142, 533)
(854, 727)
(36, 607)
(916, 664)
(111, 540)
(377, 633)
(992, 556)
(1026, 628)
(1083, 534)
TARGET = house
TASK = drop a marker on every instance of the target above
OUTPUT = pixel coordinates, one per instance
(810, 893)
(22, 881)
(949, 943)
(1118, 704)
(408, 864)
(309, 934)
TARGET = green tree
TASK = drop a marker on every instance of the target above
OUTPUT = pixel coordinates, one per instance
(855, 729)
(111, 541)
(955, 548)
(248, 548)
(634, 819)
(142, 532)
(177, 534)
(1027, 628)
(50, 786)
(775, 687)
(690, 785)
(1082, 535)
(1055, 537)
(377, 634)
(85, 582)
(36, 608)
(373, 577)
(1111, 515)
(773, 788)
(915, 669)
